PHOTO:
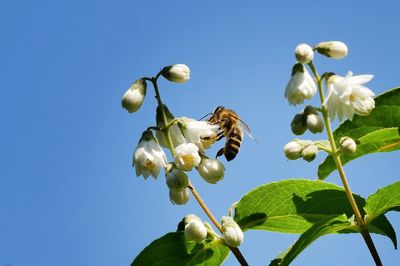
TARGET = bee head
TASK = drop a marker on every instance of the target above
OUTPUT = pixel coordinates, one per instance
(218, 109)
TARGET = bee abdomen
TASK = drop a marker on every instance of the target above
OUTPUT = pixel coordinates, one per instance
(233, 145)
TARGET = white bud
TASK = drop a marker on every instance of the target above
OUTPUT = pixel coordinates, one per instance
(298, 124)
(195, 231)
(177, 179)
(332, 49)
(315, 123)
(176, 73)
(188, 218)
(310, 152)
(179, 197)
(348, 145)
(187, 156)
(304, 53)
(231, 231)
(293, 150)
(134, 96)
(211, 170)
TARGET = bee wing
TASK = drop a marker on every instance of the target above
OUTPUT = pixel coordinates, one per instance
(243, 126)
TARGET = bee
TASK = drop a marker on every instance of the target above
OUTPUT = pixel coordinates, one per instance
(230, 127)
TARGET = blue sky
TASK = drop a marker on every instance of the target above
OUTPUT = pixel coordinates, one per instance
(68, 193)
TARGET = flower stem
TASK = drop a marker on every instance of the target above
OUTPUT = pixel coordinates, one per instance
(336, 157)
(165, 129)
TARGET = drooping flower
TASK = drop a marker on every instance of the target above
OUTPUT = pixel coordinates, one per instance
(148, 157)
(233, 235)
(334, 49)
(195, 131)
(176, 73)
(134, 96)
(347, 96)
(304, 53)
(301, 85)
(187, 156)
(211, 170)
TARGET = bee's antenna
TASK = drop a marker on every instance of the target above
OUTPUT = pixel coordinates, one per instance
(205, 116)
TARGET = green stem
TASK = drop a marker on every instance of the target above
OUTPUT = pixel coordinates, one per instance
(165, 129)
(336, 157)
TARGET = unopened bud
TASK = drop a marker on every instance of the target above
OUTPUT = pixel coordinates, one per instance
(175, 133)
(179, 197)
(304, 53)
(298, 124)
(211, 170)
(348, 145)
(177, 179)
(310, 152)
(176, 73)
(195, 231)
(315, 123)
(332, 49)
(292, 150)
(231, 231)
(134, 96)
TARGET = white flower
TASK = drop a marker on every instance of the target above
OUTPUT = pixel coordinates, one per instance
(187, 156)
(176, 73)
(211, 170)
(195, 230)
(348, 145)
(177, 179)
(301, 85)
(148, 157)
(179, 197)
(194, 132)
(347, 96)
(293, 150)
(304, 53)
(233, 235)
(134, 96)
(332, 49)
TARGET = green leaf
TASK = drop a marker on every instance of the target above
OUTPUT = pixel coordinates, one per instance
(384, 200)
(174, 249)
(377, 132)
(323, 227)
(294, 205)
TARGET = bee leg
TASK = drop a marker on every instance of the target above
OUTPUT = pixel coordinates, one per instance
(220, 152)
(216, 136)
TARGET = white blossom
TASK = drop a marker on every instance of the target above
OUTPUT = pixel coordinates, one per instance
(231, 231)
(334, 49)
(304, 53)
(134, 96)
(195, 230)
(347, 96)
(194, 131)
(148, 157)
(177, 73)
(211, 170)
(301, 85)
(187, 156)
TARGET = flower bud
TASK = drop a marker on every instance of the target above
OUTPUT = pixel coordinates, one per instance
(195, 231)
(176, 73)
(315, 123)
(304, 53)
(348, 145)
(190, 217)
(174, 131)
(187, 156)
(298, 124)
(211, 170)
(231, 231)
(293, 150)
(177, 179)
(179, 197)
(332, 49)
(134, 96)
(310, 152)
(301, 85)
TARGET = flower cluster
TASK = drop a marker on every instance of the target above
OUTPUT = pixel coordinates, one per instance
(186, 138)
(345, 97)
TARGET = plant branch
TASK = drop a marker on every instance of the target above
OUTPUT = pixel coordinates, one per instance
(336, 157)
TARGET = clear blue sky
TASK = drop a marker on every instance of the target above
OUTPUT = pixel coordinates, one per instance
(68, 193)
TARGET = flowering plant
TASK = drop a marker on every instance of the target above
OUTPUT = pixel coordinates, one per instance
(311, 208)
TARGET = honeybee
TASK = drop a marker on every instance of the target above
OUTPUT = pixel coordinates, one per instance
(230, 127)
